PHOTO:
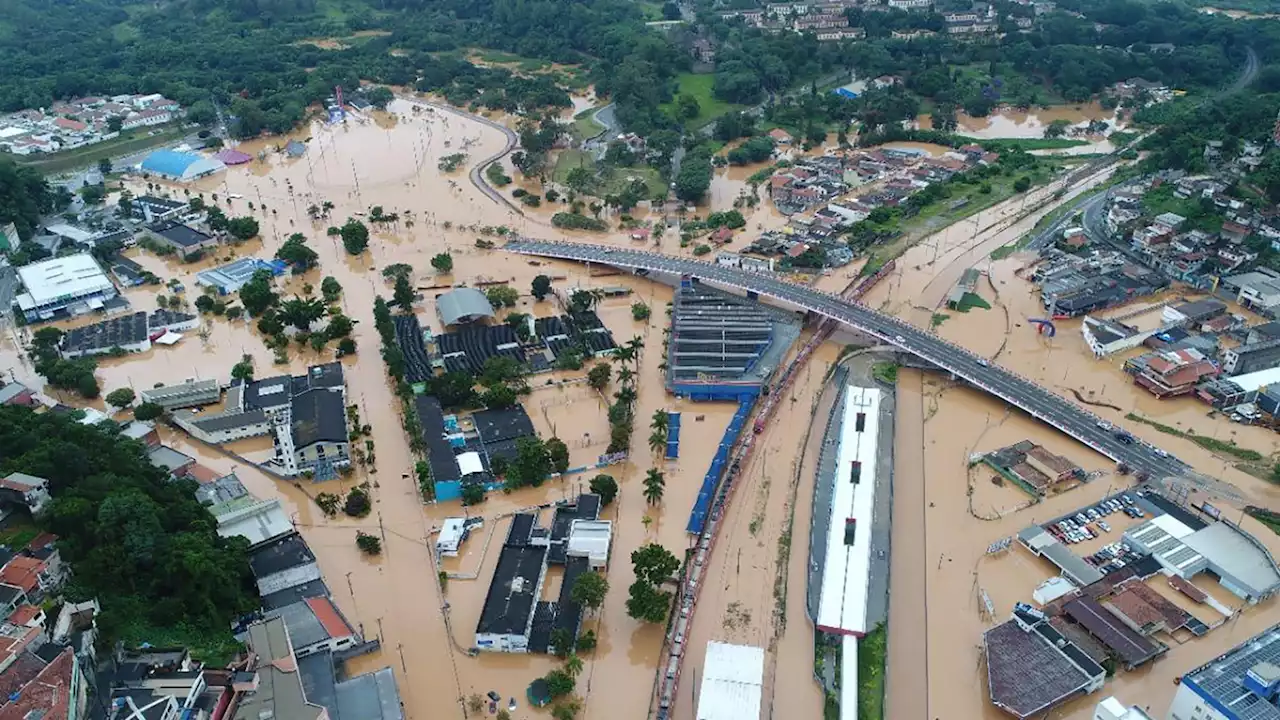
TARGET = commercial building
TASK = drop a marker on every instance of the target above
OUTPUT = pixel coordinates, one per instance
(128, 333)
(180, 166)
(151, 209)
(70, 285)
(229, 278)
(513, 619)
(1251, 358)
(732, 682)
(316, 625)
(1239, 561)
(1032, 668)
(182, 239)
(1241, 684)
(283, 564)
(191, 393)
(239, 513)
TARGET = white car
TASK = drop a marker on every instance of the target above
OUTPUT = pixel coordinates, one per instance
(984, 362)
(899, 339)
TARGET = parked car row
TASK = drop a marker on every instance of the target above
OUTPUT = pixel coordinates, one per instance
(1112, 557)
(1081, 526)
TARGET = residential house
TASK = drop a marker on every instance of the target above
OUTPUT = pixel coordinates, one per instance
(1263, 333)
(1258, 290)
(1251, 358)
(282, 564)
(268, 684)
(15, 393)
(27, 491)
(910, 4)
(1169, 374)
(30, 574)
(56, 690)
(316, 625)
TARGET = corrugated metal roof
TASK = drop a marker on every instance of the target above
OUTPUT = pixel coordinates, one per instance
(732, 676)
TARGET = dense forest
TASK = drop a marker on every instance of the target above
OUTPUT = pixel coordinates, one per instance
(139, 543)
(247, 55)
(24, 197)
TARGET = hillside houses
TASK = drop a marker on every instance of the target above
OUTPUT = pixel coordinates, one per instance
(81, 122)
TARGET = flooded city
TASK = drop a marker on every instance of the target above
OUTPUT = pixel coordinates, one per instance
(945, 511)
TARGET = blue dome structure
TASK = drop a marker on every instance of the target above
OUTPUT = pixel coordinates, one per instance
(181, 166)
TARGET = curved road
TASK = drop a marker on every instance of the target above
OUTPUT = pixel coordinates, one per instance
(476, 175)
(1014, 389)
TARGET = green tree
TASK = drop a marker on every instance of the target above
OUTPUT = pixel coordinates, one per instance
(297, 253)
(368, 544)
(339, 326)
(104, 165)
(1057, 128)
(357, 503)
(301, 312)
(646, 603)
(531, 465)
(121, 397)
(573, 663)
(355, 236)
(242, 228)
(559, 683)
(604, 486)
(562, 642)
(694, 179)
(599, 375)
(243, 370)
(331, 289)
(403, 295)
(654, 564)
(395, 270)
(499, 397)
(589, 590)
(147, 411)
(558, 453)
(1022, 184)
(379, 96)
(639, 311)
(502, 296)
(541, 287)
(473, 493)
(654, 485)
(442, 262)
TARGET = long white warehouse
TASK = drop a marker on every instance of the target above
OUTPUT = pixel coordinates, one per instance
(732, 682)
(842, 605)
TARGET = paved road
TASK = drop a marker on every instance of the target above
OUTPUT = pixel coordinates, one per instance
(1014, 389)
(1050, 233)
(477, 171)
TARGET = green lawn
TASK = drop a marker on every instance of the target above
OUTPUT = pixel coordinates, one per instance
(568, 160)
(18, 533)
(700, 86)
(610, 180)
(585, 125)
(498, 57)
(1032, 143)
(871, 657)
(970, 301)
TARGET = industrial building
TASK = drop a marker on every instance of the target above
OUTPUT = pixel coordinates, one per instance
(1242, 684)
(732, 682)
(513, 619)
(180, 166)
(229, 278)
(1239, 562)
(723, 346)
(65, 286)
(1031, 667)
(191, 393)
(463, 305)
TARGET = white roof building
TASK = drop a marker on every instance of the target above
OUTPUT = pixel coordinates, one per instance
(73, 284)
(470, 462)
(452, 533)
(732, 678)
(842, 605)
(590, 539)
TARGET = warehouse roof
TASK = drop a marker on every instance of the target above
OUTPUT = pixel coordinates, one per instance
(69, 276)
(169, 162)
(732, 678)
(463, 305)
(1234, 553)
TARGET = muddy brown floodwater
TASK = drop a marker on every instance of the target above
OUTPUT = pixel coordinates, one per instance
(945, 515)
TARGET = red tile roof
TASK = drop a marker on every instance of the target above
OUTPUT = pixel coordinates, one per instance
(780, 135)
(50, 691)
(329, 617)
(23, 670)
(69, 124)
(23, 572)
(24, 614)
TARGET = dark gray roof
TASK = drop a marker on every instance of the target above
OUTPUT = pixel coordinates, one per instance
(225, 421)
(268, 392)
(289, 596)
(318, 415)
(181, 235)
(305, 628)
(440, 455)
(107, 334)
(371, 696)
(227, 487)
(497, 425)
(507, 610)
(163, 317)
(463, 305)
(9, 593)
(280, 555)
(157, 204)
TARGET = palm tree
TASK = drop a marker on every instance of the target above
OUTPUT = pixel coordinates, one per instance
(626, 395)
(657, 441)
(325, 207)
(573, 665)
(661, 421)
(624, 355)
(300, 312)
(635, 345)
(313, 211)
(654, 484)
(626, 376)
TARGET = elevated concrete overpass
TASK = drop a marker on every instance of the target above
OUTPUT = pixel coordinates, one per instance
(1019, 391)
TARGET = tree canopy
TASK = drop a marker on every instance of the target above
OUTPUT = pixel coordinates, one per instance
(136, 540)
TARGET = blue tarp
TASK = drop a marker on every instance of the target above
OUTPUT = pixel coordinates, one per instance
(846, 93)
(702, 506)
(673, 435)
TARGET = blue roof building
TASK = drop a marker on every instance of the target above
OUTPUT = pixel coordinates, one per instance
(181, 166)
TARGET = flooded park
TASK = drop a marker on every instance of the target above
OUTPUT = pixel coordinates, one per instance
(943, 516)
